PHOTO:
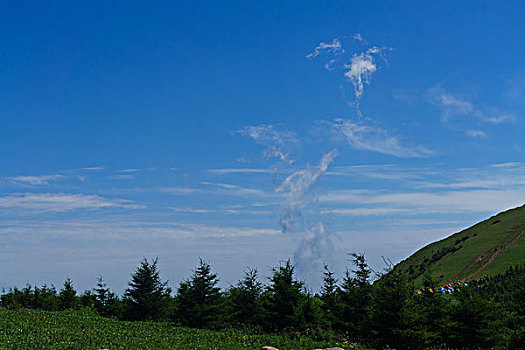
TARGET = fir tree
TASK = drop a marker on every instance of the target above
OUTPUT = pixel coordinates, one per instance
(282, 298)
(198, 299)
(147, 297)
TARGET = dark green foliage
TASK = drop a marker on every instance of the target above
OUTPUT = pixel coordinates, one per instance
(106, 302)
(147, 297)
(388, 302)
(470, 321)
(308, 312)
(44, 298)
(331, 305)
(68, 295)
(425, 317)
(282, 298)
(244, 302)
(355, 296)
(199, 299)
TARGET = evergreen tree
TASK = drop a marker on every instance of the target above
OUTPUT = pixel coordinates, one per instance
(425, 317)
(330, 298)
(244, 301)
(355, 294)
(470, 321)
(388, 302)
(67, 295)
(106, 302)
(147, 297)
(282, 298)
(198, 299)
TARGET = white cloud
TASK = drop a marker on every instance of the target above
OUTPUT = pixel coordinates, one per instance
(361, 68)
(277, 142)
(94, 168)
(333, 47)
(446, 202)
(192, 210)
(453, 105)
(357, 37)
(124, 229)
(62, 202)
(475, 133)
(367, 211)
(506, 165)
(240, 171)
(298, 190)
(364, 137)
(36, 180)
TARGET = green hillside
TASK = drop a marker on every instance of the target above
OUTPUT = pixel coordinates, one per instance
(487, 248)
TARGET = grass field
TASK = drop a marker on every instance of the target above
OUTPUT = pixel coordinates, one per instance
(487, 248)
(33, 329)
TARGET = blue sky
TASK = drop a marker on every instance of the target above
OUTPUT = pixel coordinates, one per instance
(247, 133)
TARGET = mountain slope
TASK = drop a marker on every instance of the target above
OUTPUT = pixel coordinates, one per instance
(487, 248)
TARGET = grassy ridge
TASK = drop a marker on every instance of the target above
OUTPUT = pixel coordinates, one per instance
(498, 241)
(34, 329)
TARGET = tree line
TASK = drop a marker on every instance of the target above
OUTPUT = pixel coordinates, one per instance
(383, 313)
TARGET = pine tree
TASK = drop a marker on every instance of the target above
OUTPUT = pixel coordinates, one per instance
(330, 297)
(147, 297)
(68, 295)
(106, 302)
(198, 299)
(244, 301)
(282, 298)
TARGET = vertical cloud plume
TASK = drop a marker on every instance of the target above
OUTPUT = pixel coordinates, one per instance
(315, 244)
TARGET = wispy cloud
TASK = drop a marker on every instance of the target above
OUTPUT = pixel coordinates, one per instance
(240, 171)
(365, 137)
(62, 202)
(454, 106)
(298, 189)
(475, 133)
(94, 168)
(277, 142)
(333, 47)
(36, 180)
(506, 165)
(486, 201)
(119, 229)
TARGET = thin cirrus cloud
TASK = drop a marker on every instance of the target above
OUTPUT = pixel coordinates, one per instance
(455, 106)
(62, 202)
(118, 229)
(426, 202)
(36, 180)
(333, 47)
(240, 171)
(475, 133)
(361, 136)
(277, 142)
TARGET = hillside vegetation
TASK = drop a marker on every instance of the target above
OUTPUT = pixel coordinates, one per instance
(488, 248)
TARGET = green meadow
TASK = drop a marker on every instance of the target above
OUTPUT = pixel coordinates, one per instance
(82, 329)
